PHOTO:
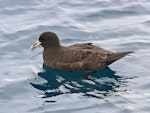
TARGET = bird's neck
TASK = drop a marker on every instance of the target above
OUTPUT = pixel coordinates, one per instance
(49, 54)
(52, 50)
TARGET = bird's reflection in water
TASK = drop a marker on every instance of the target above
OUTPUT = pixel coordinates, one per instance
(98, 84)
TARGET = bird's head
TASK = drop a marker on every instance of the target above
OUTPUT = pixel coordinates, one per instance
(47, 40)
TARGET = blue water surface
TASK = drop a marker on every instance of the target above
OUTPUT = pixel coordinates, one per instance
(28, 86)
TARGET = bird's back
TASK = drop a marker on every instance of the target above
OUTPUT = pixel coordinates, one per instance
(90, 47)
(84, 57)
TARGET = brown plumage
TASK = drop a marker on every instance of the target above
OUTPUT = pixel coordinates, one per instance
(77, 57)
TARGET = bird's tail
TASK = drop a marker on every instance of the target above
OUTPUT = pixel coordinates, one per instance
(117, 56)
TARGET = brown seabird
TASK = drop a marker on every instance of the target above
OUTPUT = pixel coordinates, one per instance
(77, 57)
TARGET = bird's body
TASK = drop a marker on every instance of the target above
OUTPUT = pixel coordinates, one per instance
(77, 57)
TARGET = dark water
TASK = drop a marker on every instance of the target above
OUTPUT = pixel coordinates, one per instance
(26, 85)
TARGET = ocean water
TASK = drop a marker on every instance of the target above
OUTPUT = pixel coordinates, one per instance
(28, 86)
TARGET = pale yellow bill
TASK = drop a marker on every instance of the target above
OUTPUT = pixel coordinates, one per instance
(37, 44)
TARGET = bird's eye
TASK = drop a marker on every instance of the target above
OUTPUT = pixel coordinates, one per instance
(43, 39)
